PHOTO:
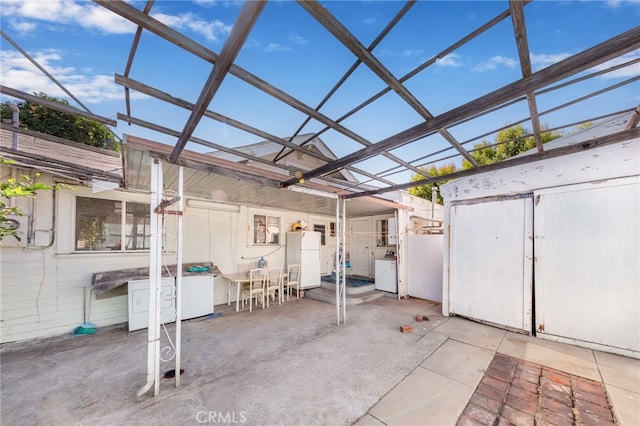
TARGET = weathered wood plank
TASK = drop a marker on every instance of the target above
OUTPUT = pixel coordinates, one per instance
(102, 282)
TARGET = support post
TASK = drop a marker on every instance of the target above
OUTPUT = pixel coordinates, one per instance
(179, 275)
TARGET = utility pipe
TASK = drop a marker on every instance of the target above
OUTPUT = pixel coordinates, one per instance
(15, 122)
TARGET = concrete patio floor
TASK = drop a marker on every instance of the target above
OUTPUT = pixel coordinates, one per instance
(290, 365)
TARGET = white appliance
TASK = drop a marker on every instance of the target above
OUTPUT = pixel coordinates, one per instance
(303, 247)
(386, 278)
(197, 300)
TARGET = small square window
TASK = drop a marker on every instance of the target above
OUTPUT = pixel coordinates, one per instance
(266, 230)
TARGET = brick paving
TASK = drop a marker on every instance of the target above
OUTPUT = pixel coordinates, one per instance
(517, 392)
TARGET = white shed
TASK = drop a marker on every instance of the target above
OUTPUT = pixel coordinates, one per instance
(551, 247)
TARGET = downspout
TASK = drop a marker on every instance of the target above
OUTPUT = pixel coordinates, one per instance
(15, 122)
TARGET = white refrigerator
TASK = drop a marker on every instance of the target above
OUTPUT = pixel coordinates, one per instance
(303, 247)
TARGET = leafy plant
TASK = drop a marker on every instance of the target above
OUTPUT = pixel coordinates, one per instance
(24, 187)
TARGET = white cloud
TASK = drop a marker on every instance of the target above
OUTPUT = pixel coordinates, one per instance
(22, 27)
(451, 60)
(20, 74)
(91, 16)
(211, 30)
(628, 71)
(275, 47)
(410, 53)
(543, 60)
(299, 40)
(369, 21)
(494, 62)
(66, 12)
(616, 3)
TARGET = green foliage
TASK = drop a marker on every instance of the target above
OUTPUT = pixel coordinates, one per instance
(25, 187)
(509, 142)
(62, 124)
(425, 191)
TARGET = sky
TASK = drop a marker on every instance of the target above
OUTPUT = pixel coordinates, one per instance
(83, 45)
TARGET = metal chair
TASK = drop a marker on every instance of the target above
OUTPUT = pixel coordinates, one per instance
(292, 280)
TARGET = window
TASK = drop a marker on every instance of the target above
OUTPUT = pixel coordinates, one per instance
(321, 229)
(100, 224)
(266, 229)
(332, 229)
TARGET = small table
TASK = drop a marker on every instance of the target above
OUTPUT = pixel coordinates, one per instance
(240, 278)
(237, 279)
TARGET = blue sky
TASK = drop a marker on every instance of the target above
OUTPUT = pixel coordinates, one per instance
(83, 45)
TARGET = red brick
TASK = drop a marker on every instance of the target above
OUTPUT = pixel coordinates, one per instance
(526, 406)
(556, 376)
(480, 414)
(602, 412)
(504, 375)
(525, 363)
(489, 404)
(591, 420)
(586, 385)
(505, 422)
(504, 361)
(517, 417)
(528, 386)
(563, 398)
(495, 383)
(465, 420)
(546, 383)
(491, 392)
(546, 417)
(555, 406)
(529, 375)
(523, 393)
(589, 397)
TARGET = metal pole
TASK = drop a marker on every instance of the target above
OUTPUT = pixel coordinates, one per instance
(153, 331)
(344, 261)
(179, 275)
(337, 261)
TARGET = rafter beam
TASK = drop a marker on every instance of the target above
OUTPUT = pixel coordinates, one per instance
(616, 46)
(514, 161)
(339, 31)
(239, 33)
(56, 105)
(520, 32)
(166, 97)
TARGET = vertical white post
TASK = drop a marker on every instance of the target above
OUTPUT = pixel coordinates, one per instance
(179, 274)
(155, 253)
(155, 269)
(337, 262)
(344, 263)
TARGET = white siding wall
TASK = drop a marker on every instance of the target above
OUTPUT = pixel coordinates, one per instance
(42, 288)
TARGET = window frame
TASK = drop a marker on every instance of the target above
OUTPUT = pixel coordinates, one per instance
(123, 226)
(253, 232)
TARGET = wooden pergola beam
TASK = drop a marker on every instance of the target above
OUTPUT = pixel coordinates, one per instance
(239, 33)
(166, 97)
(520, 32)
(515, 161)
(343, 35)
(598, 54)
(56, 105)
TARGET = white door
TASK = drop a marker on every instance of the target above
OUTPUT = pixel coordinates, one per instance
(359, 248)
(587, 274)
(424, 273)
(491, 261)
